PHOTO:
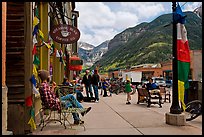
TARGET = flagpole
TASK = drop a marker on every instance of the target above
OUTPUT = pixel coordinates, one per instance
(175, 108)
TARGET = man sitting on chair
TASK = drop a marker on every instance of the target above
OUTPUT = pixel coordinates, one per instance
(153, 88)
(50, 100)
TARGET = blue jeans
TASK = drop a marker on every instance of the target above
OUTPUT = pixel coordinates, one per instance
(89, 90)
(79, 95)
(95, 87)
(71, 101)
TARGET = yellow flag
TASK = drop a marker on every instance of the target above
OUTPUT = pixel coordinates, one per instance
(181, 90)
(31, 122)
(47, 44)
(35, 72)
(41, 34)
(35, 21)
(64, 63)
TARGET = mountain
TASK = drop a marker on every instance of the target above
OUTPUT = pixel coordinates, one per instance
(90, 54)
(148, 43)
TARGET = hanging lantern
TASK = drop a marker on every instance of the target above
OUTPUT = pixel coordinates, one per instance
(75, 63)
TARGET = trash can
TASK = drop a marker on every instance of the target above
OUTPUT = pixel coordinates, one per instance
(191, 93)
(200, 91)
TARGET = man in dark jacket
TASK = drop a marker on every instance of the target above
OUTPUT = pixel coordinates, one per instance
(95, 80)
(87, 82)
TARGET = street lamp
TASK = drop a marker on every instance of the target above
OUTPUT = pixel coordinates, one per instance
(175, 108)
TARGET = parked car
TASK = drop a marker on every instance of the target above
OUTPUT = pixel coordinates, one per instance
(168, 83)
(159, 81)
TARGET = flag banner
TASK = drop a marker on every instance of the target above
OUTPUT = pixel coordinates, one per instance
(35, 21)
(36, 60)
(57, 54)
(47, 44)
(29, 101)
(35, 31)
(35, 40)
(34, 51)
(31, 122)
(35, 72)
(35, 91)
(33, 80)
(41, 34)
(183, 54)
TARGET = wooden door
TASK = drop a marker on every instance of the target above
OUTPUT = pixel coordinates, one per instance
(18, 65)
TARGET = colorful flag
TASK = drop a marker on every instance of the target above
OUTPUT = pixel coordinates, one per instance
(41, 34)
(35, 21)
(31, 122)
(183, 54)
(29, 101)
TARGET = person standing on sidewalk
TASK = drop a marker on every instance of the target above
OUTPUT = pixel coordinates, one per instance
(87, 82)
(95, 80)
(128, 90)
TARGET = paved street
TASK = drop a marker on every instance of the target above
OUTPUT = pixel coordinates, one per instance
(111, 116)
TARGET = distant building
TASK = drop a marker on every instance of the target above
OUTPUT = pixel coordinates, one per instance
(164, 69)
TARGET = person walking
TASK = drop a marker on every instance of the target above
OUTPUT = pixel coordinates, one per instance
(86, 80)
(128, 90)
(95, 80)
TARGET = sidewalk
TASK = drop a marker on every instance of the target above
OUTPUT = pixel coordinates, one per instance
(111, 116)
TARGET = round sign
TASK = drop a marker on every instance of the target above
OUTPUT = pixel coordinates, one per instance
(65, 34)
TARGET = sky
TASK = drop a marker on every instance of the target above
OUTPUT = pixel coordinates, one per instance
(101, 21)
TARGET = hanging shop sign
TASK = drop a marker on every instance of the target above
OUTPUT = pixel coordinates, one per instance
(65, 34)
(75, 63)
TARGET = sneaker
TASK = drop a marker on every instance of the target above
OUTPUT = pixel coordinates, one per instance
(86, 111)
(77, 122)
(128, 103)
(97, 101)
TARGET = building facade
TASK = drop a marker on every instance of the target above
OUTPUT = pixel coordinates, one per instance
(27, 48)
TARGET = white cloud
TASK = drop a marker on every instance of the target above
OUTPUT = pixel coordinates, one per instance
(191, 6)
(144, 9)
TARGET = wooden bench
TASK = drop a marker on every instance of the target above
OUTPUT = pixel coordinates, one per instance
(145, 96)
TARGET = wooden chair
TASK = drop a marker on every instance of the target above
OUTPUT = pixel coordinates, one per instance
(145, 96)
(142, 95)
(166, 95)
(48, 115)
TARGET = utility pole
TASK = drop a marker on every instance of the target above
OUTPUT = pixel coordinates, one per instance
(175, 108)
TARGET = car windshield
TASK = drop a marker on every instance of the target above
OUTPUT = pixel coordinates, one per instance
(159, 79)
